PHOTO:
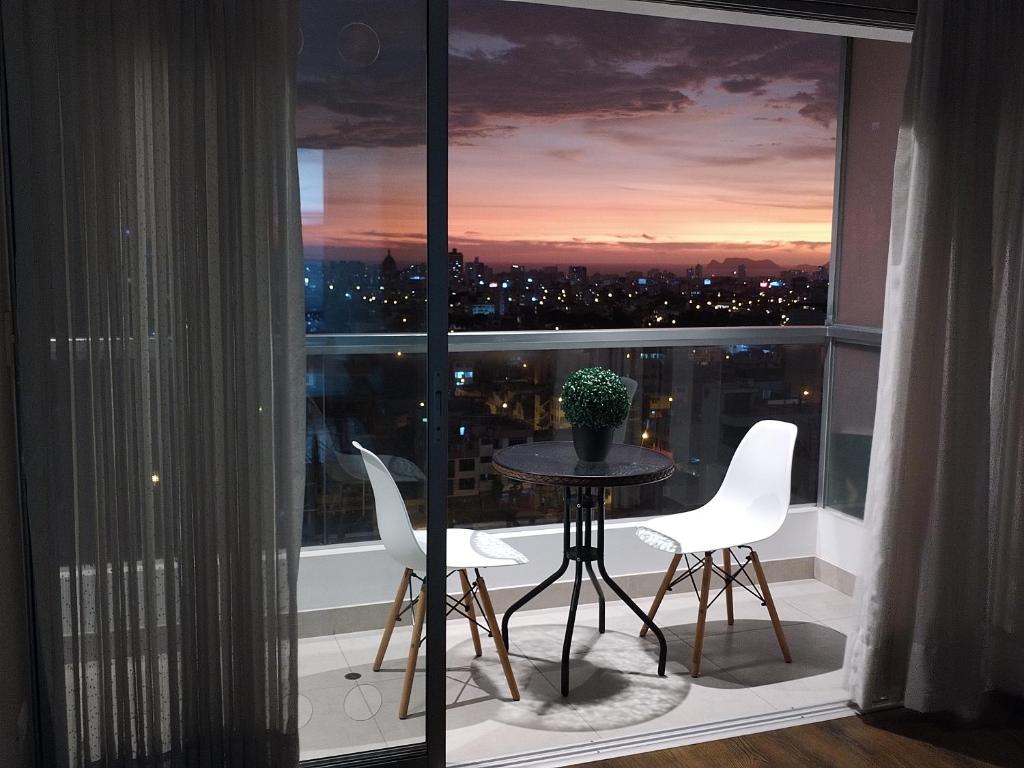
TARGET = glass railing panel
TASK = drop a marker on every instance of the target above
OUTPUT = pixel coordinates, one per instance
(377, 399)
(851, 423)
(693, 402)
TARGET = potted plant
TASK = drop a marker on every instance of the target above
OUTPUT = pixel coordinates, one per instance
(595, 402)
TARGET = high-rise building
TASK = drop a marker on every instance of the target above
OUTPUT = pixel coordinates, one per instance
(456, 268)
(577, 274)
(389, 271)
(476, 270)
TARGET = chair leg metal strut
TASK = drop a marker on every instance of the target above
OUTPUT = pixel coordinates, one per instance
(589, 507)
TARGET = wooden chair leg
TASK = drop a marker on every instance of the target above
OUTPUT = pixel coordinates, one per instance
(467, 601)
(389, 624)
(492, 622)
(770, 604)
(414, 652)
(727, 567)
(665, 584)
(702, 614)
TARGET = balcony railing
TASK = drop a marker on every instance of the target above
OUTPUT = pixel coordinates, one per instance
(698, 392)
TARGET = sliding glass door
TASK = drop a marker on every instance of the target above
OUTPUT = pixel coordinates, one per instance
(231, 263)
(362, 131)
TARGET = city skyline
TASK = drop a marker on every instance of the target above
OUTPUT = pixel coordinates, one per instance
(356, 296)
(718, 265)
(577, 136)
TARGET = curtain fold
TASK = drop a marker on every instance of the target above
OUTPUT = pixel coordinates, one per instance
(160, 346)
(941, 605)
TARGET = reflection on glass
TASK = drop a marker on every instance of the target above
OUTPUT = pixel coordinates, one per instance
(694, 403)
(360, 128)
(378, 401)
(851, 424)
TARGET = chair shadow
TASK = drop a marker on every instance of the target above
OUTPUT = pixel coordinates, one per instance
(747, 654)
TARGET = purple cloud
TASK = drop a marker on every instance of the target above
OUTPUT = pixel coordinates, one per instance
(753, 85)
(513, 63)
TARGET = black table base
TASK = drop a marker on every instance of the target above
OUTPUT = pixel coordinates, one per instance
(589, 505)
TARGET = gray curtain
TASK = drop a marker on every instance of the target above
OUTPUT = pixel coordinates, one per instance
(160, 352)
(941, 596)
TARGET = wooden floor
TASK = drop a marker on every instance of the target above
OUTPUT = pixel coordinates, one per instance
(896, 738)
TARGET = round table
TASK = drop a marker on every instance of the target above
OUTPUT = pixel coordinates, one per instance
(556, 463)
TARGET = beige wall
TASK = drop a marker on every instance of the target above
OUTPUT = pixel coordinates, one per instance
(878, 75)
(14, 659)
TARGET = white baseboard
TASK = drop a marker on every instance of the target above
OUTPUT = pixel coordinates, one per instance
(834, 576)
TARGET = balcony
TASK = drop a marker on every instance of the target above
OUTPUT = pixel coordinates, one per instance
(698, 392)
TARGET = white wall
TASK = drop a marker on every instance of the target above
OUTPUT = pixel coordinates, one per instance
(839, 540)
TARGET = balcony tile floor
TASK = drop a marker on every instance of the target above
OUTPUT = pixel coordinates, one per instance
(346, 707)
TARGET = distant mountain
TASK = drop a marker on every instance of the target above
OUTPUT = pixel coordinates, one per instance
(755, 267)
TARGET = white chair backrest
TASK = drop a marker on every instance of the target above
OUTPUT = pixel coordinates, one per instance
(392, 516)
(758, 481)
(619, 435)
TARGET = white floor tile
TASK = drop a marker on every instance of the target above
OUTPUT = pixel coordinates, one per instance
(332, 729)
(821, 607)
(845, 626)
(360, 649)
(809, 691)
(320, 654)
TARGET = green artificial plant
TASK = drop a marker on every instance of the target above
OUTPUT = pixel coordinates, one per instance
(595, 398)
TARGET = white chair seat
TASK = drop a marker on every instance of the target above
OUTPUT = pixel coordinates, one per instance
(711, 527)
(475, 549)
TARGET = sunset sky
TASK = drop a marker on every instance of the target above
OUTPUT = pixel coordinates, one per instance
(580, 137)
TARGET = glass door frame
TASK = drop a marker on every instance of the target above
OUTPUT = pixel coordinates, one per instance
(437, 374)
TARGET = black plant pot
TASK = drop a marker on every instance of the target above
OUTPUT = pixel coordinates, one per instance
(592, 444)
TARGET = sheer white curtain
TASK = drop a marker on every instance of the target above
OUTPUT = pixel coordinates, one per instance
(941, 598)
(160, 332)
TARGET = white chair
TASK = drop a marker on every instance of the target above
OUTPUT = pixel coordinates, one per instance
(467, 549)
(750, 506)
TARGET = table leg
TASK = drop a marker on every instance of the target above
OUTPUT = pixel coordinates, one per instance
(593, 576)
(575, 599)
(663, 650)
(600, 597)
(550, 579)
(569, 625)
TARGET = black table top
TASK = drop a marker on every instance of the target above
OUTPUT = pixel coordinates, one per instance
(556, 463)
